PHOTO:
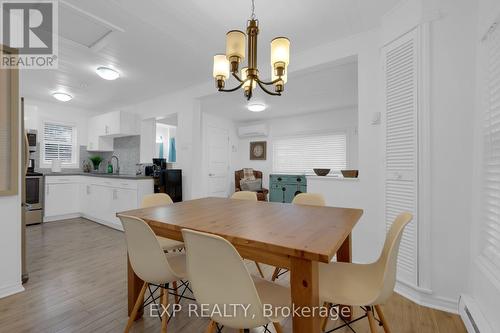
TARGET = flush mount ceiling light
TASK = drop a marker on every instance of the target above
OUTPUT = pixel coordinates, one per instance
(248, 78)
(63, 97)
(107, 73)
(256, 107)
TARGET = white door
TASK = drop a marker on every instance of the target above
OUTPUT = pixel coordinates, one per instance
(401, 155)
(218, 161)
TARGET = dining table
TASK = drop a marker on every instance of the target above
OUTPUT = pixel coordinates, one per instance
(296, 237)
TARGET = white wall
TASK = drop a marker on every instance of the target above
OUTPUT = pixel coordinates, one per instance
(325, 121)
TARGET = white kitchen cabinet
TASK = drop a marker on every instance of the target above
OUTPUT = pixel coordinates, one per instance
(96, 140)
(95, 198)
(61, 197)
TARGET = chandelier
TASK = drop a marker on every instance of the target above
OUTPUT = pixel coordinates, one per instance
(248, 78)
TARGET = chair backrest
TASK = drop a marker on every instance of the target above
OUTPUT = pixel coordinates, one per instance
(238, 176)
(145, 253)
(156, 199)
(219, 276)
(386, 265)
(245, 195)
(310, 199)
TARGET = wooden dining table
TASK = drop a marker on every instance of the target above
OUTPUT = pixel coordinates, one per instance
(289, 236)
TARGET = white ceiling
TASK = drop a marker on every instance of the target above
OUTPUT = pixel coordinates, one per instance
(330, 87)
(168, 45)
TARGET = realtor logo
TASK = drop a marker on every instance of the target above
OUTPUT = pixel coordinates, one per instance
(29, 27)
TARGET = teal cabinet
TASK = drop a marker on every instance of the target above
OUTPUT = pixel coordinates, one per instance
(283, 188)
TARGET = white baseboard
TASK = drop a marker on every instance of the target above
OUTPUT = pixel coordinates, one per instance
(103, 222)
(472, 316)
(11, 290)
(61, 217)
(426, 298)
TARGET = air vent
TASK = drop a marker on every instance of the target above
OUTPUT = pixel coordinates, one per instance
(82, 27)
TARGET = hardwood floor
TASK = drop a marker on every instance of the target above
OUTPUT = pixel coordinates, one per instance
(78, 284)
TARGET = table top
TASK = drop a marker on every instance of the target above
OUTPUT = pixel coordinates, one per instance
(309, 232)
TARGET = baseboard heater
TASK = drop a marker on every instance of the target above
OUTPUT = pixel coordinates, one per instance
(472, 317)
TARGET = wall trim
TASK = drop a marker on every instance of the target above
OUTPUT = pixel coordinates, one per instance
(77, 215)
(11, 290)
(425, 297)
(61, 217)
(475, 312)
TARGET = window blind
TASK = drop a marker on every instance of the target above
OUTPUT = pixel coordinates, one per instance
(491, 159)
(302, 154)
(58, 143)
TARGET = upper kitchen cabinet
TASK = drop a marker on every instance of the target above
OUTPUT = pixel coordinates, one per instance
(103, 128)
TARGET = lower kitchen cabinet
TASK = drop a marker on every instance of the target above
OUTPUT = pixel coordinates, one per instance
(95, 198)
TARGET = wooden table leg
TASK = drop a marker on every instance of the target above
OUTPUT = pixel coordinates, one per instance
(304, 283)
(134, 289)
(344, 254)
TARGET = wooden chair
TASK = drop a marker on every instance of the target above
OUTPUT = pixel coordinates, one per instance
(364, 285)
(251, 196)
(308, 199)
(219, 277)
(162, 199)
(238, 176)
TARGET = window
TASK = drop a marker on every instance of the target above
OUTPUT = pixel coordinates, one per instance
(301, 154)
(491, 160)
(59, 142)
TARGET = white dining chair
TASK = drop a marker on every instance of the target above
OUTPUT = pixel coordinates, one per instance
(307, 199)
(152, 265)
(365, 285)
(250, 196)
(245, 195)
(162, 199)
(219, 278)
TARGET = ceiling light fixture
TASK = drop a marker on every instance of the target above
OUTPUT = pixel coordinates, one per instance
(225, 64)
(63, 97)
(107, 73)
(256, 107)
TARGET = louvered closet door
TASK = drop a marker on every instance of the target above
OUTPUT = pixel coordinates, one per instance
(401, 82)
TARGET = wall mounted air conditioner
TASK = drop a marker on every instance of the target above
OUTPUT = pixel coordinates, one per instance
(253, 130)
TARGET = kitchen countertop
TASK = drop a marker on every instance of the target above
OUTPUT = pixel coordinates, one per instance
(102, 175)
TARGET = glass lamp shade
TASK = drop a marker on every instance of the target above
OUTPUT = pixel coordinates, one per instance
(243, 77)
(280, 51)
(221, 66)
(235, 44)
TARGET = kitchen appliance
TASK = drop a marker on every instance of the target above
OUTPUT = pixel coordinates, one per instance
(171, 181)
(31, 165)
(160, 162)
(33, 203)
(31, 136)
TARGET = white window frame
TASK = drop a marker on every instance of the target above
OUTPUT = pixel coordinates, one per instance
(75, 153)
(344, 131)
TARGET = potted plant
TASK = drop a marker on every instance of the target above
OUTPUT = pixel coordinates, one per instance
(96, 161)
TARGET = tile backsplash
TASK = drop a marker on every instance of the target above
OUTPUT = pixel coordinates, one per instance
(127, 149)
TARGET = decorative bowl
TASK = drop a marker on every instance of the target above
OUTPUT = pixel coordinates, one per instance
(321, 172)
(350, 173)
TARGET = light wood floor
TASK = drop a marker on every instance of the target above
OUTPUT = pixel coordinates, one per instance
(77, 284)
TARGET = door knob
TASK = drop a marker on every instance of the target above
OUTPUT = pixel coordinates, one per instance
(211, 175)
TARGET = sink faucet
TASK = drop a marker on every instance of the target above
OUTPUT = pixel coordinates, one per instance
(117, 163)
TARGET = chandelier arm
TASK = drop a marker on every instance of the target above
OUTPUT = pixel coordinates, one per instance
(271, 82)
(233, 89)
(237, 77)
(267, 91)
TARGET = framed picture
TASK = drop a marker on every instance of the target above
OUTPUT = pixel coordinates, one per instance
(258, 150)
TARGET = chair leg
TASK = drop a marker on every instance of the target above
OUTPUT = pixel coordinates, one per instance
(324, 320)
(259, 269)
(164, 318)
(371, 320)
(275, 274)
(382, 319)
(138, 303)
(211, 327)
(278, 327)
(176, 296)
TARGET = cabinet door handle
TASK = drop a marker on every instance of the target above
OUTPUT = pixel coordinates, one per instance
(48, 189)
(88, 189)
